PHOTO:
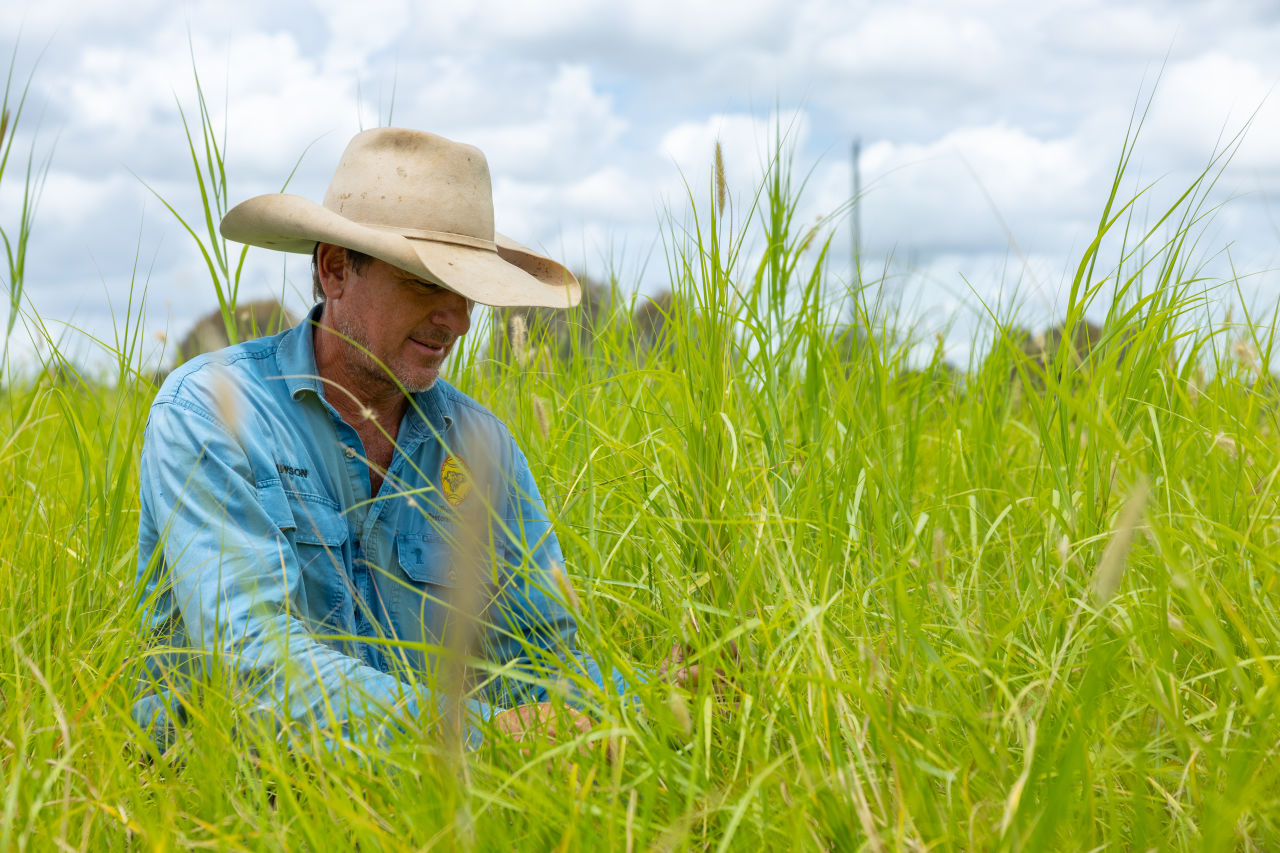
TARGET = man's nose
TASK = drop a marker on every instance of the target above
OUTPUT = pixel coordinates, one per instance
(453, 311)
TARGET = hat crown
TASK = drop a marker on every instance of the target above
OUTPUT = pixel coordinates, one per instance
(414, 181)
(417, 201)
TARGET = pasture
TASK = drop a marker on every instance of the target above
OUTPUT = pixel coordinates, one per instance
(1028, 602)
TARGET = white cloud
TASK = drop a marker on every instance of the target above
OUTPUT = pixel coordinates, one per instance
(358, 31)
(122, 104)
(1108, 29)
(970, 185)
(915, 43)
(612, 33)
(699, 28)
(71, 201)
(1201, 103)
(748, 144)
(271, 123)
(594, 113)
(611, 194)
(39, 22)
(564, 124)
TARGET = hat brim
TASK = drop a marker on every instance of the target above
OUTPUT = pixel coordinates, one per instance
(507, 276)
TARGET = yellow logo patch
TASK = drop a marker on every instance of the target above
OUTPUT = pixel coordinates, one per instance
(455, 480)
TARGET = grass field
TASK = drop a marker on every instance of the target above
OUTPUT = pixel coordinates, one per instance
(1010, 608)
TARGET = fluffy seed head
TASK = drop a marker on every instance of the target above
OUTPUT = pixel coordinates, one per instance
(540, 412)
(722, 187)
(1111, 567)
(519, 340)
(680, 710)
(566, 588)
(1247, 353)
(227, 401)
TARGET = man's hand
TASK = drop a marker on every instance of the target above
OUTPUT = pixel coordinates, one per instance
(555, 721)
(688, 676)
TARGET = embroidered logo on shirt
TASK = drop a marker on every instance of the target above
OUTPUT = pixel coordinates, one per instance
(455, 480)
(281, 468)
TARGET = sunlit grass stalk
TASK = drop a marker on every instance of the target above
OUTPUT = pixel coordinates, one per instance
(207, 149)
(17, 236)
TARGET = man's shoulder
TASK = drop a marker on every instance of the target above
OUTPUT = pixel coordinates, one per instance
(238, 366)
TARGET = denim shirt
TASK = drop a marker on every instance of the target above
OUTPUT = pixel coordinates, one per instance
(264, 559)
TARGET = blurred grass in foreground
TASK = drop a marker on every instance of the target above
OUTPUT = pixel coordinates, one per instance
(1032, 606)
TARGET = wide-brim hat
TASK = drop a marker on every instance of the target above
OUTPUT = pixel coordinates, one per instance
(420, 202)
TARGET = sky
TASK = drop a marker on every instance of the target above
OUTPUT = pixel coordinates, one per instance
(989, 132)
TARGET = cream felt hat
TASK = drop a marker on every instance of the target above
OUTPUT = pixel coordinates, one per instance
(420, 202)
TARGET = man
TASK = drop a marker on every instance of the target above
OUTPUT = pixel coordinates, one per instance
(327, 524)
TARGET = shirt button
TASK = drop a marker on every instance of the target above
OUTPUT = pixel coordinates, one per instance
(350, 453)
(453, 576)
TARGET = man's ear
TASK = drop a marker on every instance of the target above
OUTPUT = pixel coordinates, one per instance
(331, 265)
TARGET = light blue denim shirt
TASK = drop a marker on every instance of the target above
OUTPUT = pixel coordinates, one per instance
(264, 559)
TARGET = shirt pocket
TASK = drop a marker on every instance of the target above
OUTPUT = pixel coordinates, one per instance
(433, 583)
(319, 537)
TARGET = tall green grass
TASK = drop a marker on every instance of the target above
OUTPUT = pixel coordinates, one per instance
(16, 235)
(1031, 609)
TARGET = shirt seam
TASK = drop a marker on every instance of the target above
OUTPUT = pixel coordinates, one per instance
(201, 412)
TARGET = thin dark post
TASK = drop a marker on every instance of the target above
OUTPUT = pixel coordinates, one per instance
(857, 212)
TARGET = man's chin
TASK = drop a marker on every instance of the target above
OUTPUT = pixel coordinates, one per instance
(420, 381)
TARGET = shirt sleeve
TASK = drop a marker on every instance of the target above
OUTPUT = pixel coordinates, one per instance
(535, 627)
(230, 573)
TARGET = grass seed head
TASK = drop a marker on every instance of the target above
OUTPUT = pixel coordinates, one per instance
(519, 340)
(540, 412)
(680, 710)
(808, 238)
(1111, 567)
(940, 551)
(722, 186)
(1247, 354)
(227, 401)
(566, 588)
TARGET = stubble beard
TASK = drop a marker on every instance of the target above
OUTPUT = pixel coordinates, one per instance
(362, 363)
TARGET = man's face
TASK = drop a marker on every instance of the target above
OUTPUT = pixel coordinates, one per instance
(407, 324)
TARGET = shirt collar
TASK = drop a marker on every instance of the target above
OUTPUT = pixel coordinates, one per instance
(297, 359)
(437, 410)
